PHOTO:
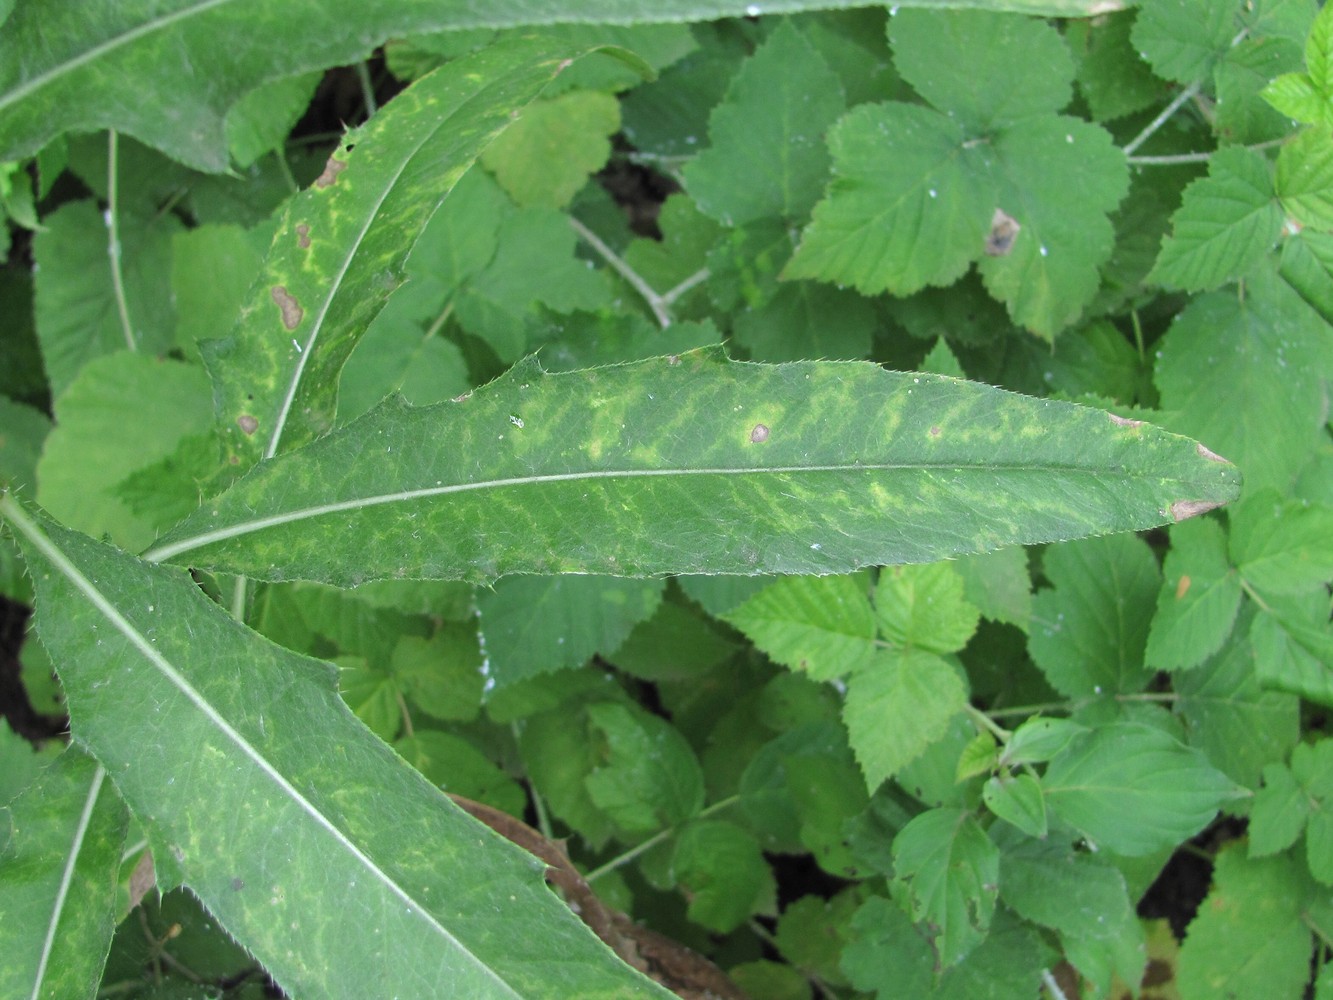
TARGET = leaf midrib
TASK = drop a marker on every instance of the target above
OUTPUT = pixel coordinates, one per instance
(103, 604)
(162, 553)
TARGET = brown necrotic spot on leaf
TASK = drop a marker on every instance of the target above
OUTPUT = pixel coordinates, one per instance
(1182, 588)
(760, 434)
(1004, 229)
(1182, 509)
(673, 360)
(1210, 455)
(935, 432)
(291, 309)
(1124, 421)
(331, 171)
(247, 423)
(303, 236)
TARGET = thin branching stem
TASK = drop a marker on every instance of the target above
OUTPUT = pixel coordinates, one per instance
(1151, 128)
(113, 240)
(367, 89)
(657, 838)
(655, 301)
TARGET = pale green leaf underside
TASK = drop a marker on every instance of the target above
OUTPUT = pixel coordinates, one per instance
(166, 73)
(281, 829)
(695, 464)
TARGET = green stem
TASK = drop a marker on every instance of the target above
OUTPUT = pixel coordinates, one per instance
(654, 840)
(1151, 128)
(655, 302)
(1049, 706)
(113, 246)
(367, 89)
(985, 722)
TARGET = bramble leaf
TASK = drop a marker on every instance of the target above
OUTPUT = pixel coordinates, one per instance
(1304, 179)
(821, 625)
(897, 705)
(535, 624)
(1282, 546)
(1133, 789)
(694, 464)
(922, 607)
(1227, 952)
(950, 872)
(1089, 630)
(1184, 39)
(1017, 799)
(1200, 596)
(767, 157)
(1226, 223)
(647, 777)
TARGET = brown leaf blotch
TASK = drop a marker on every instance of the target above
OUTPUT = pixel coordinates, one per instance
(303, 236)
(331, 171)
(759, 435)
(1182, 587)
(1124, 421)
(1211, 455)
(1004, 229)
(290, 308)
(1183, 509)
(247, 423)
(935, 432)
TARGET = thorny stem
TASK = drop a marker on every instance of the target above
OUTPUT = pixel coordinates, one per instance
(654, 840)
(113, 244)
(1161, 119)
(655, 302)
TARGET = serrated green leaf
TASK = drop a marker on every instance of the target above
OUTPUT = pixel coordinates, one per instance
(1183, 39)
(1246, 376)
(1295, 95)
(808, 320)
(1239, 725)
(692, 464)
(1244, 116)
(722, 869)
(998, 585)
(1293, 646)
(1319, 53)
(821, 625)
(1089, 631)
(767, 156)
(342, 244)
(1058, 177)
(772, 805)
(896, 706)
(1282, 546)
(1279, 812)
(923, 607)
(94, 79)
(944, 53)
(60, 847)
(1017, 799)
(909, 204)
(260, 121)
(86, 457)
(535, 624)
(1304, 265)
(1082, 899)
(549, 153)
(950, 871)
(1200, 596)
(1038, 740)
(443, 674)
(1226, 953)
(1310, 764)
(24, 429)
(457, 767)
(1304, 179)
(1112, 77)
(1226, 223)
(1133, 789)
(246, 720)
(77, 312)
(648, 777)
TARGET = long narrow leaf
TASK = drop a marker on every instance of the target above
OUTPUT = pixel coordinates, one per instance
(343, 870)
(343, 244)
(695, 464)
(166, 72)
